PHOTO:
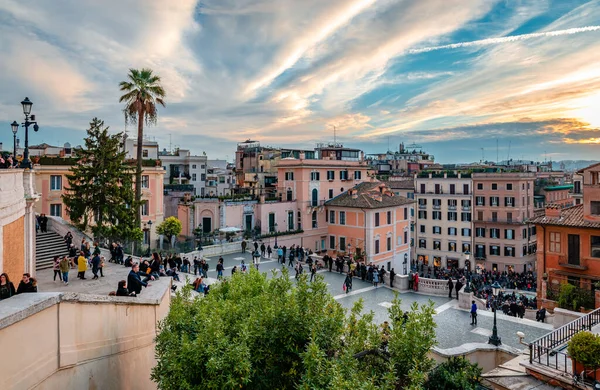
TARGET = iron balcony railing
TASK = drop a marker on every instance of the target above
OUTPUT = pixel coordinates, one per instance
(547, 350)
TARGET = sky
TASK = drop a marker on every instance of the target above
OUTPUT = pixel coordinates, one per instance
(464, 79)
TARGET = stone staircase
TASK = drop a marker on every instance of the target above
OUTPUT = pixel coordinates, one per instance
(48, 245)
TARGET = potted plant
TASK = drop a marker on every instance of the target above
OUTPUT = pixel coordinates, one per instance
(584, 350)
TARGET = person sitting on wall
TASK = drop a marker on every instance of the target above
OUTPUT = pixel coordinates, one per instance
(27, 284)
(540, 315)
(134, 279)
(7, 289)
(122, 290)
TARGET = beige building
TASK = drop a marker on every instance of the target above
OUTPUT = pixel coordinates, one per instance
(503, 205)
(443, 231)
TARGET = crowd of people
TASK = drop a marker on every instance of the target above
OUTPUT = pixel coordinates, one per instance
(7, 161)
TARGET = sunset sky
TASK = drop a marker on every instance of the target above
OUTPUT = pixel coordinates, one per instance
(454, 76)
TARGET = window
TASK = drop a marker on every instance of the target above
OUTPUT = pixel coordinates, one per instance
(357, 175)
(55, 182)
(509, 201)
(299, 214)
(422, 214)
(465, 189)
(452, 189)
(573, 249)
(465, 203)
(452, 204)
(145, 153)
(595, 246)
(389, 217)
(480, 232)
(465, 217)
(480, 200)
(480, 251)
(494, 233)
(524, 232)
(494, 201)
(452, 216)
(331, 193)
(509, 251)
(194, 177)
(437, 229)
(423, 244)
(56, 210)
(509, 186)
(376, 246)
(221, 179)
(315, 176)
(494, 216)
(342, 217)
(466, 247)
(452, 231)
(314, 198)
(595, 207)
(330, 175)
(480, 186)
(494, 186)
(271, 222)
(437, 215)
(193, 166)
(422, 188)
(144, 207)
(555, 242)
(202, 177)
(405, 237)
(342, 243)
(438, 189)
(480, 215)
(466, 232)
(509, 217)
(389, 243)
(452, 247)
(376, 219)
(494, 250)
(405, 213)
(422, 203)
(437, 245)
(202, 166)
(437, 204)
(289, 176)
(509, 234)
(343, 175)
(331, 216)
(331, 242)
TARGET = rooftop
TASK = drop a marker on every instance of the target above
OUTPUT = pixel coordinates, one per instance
(558, 188)
(372, 195)
(401, 184)
(570, 216)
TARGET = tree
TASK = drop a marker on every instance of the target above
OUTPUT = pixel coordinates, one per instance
(260, 333)
(457, 373)
(143, 92)
(100, 187)
(169, 227)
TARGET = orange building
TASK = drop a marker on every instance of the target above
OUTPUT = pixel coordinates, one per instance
(370, 218)
(569, 240)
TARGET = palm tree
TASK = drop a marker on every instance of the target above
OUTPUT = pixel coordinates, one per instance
(143, 91)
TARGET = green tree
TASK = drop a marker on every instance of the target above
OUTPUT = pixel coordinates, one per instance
(260, 333)
(143, 92)
(169, 227)
(100, 193)
(455, 374)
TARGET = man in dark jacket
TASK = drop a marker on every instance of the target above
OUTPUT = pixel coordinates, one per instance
(95, 266)
(27, 285)
(392, 277)
(450, 286)
(134, 279)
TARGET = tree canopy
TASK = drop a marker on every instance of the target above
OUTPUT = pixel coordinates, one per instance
(99, 195)
(252, 332)
(169, 227)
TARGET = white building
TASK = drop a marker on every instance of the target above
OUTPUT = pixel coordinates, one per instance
(181, 167)
(220, 178)
(149, 149)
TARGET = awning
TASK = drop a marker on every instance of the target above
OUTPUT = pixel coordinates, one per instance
(576, 275)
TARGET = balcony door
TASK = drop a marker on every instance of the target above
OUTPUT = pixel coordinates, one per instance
(574, 249)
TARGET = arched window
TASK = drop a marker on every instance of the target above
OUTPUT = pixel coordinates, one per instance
(315, 197)
(289, 195)
(314, 219)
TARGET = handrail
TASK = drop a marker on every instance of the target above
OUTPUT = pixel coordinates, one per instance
(560, 336)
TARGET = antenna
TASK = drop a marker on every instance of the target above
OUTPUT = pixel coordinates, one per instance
(388, 149)
(497, 151)
(170, 145)
(508, 157)
(334, 136)
(482, 155)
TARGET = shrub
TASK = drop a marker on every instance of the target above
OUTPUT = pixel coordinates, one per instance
(584, 348)
(456, 373)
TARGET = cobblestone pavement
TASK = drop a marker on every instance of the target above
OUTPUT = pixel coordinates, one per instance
(453, 324)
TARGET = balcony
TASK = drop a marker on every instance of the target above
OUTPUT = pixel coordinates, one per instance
(437, 207)
(422, 206)
(466, 208)
(576, 264)
(453, 207)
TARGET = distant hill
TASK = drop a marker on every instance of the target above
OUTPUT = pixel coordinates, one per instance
(572, 165)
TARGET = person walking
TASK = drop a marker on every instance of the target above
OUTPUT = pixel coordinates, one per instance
(255, 246)
(256, 258)
(291, 262)
(269, 251)
(416, 282)
(348, 283)
(64, 269)
(313, 272)
(101, 266)
(392, 277)
(473, 313)
(375, 278)
(280, 258)
(56, 268)
(81, 266)
(244, 244)
(458, 286)
(95, 266)
(196, 265)
(263, 249)
(220, 269)
(450, 287)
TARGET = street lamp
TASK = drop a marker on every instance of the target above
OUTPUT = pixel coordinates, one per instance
(15, 127)
(494, 338)
(405, 264)
(29, 120)
(468, 271)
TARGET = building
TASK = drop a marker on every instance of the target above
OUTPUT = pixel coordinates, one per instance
(149, 148)
(51, 181)
(577, 191)
(504, 240)
(17, 223)
(403, 187)
(220, 178)
(443, 233)
(181, 167)
(569, 240)
(558, 195)
(409, 159)
(370, 219)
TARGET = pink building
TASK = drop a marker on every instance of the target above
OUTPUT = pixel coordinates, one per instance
(370, 219)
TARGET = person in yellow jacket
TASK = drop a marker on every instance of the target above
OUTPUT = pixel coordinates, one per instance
(81, 266)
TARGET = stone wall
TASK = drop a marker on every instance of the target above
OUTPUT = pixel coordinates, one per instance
(563, 316)
(81, 341)
(486, 356)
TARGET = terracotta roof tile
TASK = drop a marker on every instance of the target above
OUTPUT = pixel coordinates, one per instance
(401, 184)
(368, 196)
(571, 216)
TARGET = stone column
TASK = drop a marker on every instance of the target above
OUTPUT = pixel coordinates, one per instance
(29, 221)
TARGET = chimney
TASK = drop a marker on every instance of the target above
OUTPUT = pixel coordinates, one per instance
(553, 210)
(354, 194)
(362, 156)
(302, 155)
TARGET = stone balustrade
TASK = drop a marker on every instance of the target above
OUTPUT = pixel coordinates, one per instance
(437, 287)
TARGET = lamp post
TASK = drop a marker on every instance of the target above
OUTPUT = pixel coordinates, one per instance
(29, 120)
(405, 263)
(149, 233)
(15, 127)
(494, 338)
(468, 271)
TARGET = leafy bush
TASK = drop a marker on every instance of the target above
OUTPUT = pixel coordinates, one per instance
(456, 373)
(584, 347)
(572, 297)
